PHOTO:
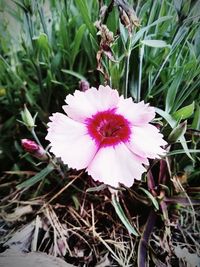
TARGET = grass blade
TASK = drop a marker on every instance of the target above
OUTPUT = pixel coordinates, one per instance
(75, 74)
(77, 42)
(155, 43)
(140, 33)
(82, 6)
(122, 216)
(151, 197)
(172, 91)
(37, 178)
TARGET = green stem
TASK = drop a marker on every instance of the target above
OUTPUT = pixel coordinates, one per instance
(140, 73)
(127, 66)
(38, 141)
(35, 137)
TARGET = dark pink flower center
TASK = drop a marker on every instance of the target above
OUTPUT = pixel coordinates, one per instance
(108, 128)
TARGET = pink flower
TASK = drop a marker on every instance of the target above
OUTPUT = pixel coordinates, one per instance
(108, 135)
(34, 149)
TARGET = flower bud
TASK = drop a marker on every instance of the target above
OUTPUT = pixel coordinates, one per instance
(177, 132)
(84, 85)
(27, 118)
(34, 149)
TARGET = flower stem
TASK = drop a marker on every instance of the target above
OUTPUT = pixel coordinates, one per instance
(127, 65)
(39, 143)
(140, 73)
(35, 137)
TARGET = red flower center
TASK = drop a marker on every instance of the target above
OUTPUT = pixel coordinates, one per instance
(108, 128)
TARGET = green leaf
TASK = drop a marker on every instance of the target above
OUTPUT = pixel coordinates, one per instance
(37, 178)
(151, 197)
(97, 188)
(184, 113)
(63, 33)
(94, 43)
(196, 120)
(173, 123)
(155, 43)
(140, 33)
(42, 43)
(82, 6)
(77, 42)
(22, 6)
(123, 34)
(122, 216)
(75, 74)
(172, 91)
(181, 151)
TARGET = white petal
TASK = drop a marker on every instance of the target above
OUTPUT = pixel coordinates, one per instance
(114, 165)
(83, 105)
(146, 141)
(136, 113)
(70, 141)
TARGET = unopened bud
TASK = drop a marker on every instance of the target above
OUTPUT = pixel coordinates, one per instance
(84, 85)
(177, 132)
(27, 118)
(34, 149)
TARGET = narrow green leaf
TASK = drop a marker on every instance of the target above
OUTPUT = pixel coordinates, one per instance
(140, 33)
(82, 6)
(172, 91)
(22, 6)
(122, 216)
(63, 34)
(97, 188)
(196, 120)
(181, 151)
(42, 43)
(42, 18)
(37, 178)
(94, 43)
(151, 197)
(184, 113)
(173, 123)
(77, 42)
(123, 34)
(185, 147)
(75, 74)
(155, 43)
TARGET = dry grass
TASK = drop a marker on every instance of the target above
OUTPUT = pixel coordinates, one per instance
(83, 228)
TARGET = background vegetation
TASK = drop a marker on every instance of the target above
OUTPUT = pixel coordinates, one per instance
(47, 48)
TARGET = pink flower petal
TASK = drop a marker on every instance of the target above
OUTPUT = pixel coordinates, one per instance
(70, 141)
(83, 105)
(136, 113)
(146, 141)
(114, 165)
